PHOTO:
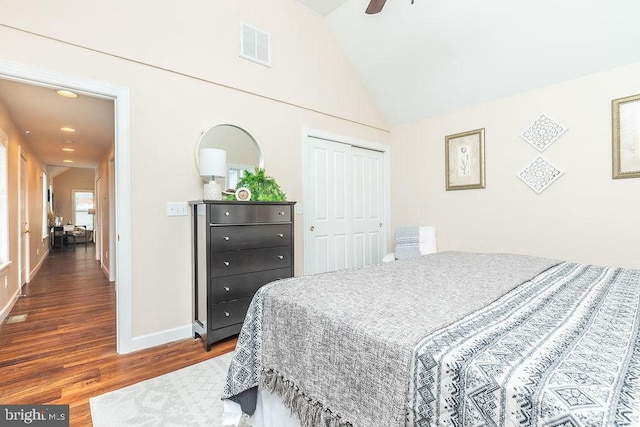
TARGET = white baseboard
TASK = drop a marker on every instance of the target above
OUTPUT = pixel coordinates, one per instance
(7, 308)
(158, 338)
(105, 270)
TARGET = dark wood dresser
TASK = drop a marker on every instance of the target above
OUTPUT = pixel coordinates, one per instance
(236, 247)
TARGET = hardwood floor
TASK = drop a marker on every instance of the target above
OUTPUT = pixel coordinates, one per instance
(65, 351)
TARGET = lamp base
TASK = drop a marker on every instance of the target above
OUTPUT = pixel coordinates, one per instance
(212, 191)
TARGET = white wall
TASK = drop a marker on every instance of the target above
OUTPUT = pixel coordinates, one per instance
(585, 216)
(63, 186)
(181, 64)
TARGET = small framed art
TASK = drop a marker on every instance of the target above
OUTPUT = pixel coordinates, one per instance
(626, 137)
(464, 160)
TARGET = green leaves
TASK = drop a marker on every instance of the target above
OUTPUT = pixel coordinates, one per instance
(263, 188)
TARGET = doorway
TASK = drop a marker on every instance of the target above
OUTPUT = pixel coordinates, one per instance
(346, 202)
(121, 233)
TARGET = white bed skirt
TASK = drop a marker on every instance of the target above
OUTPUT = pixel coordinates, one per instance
(270, 412)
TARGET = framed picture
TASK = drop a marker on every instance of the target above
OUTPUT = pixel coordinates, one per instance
(464, 160)
(626, 137)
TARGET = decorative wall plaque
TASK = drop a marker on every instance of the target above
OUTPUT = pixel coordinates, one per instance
(539, 174)
(543, 132)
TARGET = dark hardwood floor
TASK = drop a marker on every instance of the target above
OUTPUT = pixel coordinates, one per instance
(65, 351)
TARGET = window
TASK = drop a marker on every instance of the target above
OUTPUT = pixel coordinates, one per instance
(235, 173)
(4, 213)
(82, 202)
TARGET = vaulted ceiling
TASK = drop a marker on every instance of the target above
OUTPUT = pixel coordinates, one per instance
(418, 60)
(434, 56)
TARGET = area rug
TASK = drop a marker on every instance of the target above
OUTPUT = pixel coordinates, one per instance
(187, 397)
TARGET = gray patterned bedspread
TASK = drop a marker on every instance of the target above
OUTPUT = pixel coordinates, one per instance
(434, 341)
(561, 350)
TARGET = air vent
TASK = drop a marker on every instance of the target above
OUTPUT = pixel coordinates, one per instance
(254, 45)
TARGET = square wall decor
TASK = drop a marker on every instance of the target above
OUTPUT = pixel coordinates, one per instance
(539, 174)
(543, 132)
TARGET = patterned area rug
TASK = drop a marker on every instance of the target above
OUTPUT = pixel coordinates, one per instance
(186, 397)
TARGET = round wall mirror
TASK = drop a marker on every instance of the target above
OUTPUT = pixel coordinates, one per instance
(243, 152)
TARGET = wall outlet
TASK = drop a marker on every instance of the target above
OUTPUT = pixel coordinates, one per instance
(6, 282)
(176, 209)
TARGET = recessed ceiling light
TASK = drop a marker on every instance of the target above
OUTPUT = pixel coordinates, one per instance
(27, 132)
(68, 149)
(68, 161)
(67, 129)
(67, 93)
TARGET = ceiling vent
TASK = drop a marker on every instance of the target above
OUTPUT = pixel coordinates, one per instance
(254, 45)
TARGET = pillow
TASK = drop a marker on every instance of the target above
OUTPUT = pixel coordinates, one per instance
(407, 242)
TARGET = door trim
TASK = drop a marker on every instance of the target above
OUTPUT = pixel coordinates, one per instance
(122, 235)
(308, 133)
(24, 261)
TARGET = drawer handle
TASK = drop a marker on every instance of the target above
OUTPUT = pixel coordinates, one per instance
(226, 214)
(226, 237)
(280, 235)
(280, 257)
(226, 314)
(226, 288)
(226, 263)
(280, 213)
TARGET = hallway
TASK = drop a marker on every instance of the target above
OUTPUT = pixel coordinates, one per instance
(65, 350)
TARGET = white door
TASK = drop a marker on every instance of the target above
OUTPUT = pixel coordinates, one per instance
(327, 237)
(24, 224)
(368, 206)
(97, 220)
(344, 206)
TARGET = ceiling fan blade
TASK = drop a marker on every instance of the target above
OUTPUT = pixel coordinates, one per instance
(375, 6)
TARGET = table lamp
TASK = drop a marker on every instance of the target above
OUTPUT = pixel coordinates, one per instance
(212, 164)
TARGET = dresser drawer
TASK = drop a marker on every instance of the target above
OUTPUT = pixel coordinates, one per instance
(233, 213)
(273, 213)
(250, 260)
(232, 237)
(228, 313)
(244, 285)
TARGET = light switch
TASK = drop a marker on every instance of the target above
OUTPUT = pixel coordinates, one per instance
(176, 209)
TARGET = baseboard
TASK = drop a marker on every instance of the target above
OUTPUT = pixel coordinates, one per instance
(158, 338)
(105, 270)
(37, 267)
(7, 308)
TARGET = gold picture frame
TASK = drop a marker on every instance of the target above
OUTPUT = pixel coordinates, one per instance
(625, 114)
(464, 160)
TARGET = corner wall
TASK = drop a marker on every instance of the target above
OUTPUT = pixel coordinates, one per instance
(585, 216)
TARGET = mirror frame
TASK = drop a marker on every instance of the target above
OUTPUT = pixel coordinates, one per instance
(203, 133)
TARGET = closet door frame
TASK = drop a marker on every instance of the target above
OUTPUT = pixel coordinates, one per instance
(309, 139)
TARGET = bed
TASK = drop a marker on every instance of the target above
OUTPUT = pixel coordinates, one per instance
(447, 339)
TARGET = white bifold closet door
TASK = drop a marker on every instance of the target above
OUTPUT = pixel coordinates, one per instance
(344, 206)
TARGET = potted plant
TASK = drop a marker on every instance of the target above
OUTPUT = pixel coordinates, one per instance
(263, 188)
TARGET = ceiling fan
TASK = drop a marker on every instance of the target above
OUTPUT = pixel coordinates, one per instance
(376, 6)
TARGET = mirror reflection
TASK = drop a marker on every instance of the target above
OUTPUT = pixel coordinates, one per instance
(243, 152)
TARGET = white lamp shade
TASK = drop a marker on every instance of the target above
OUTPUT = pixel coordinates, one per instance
(213, 162)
